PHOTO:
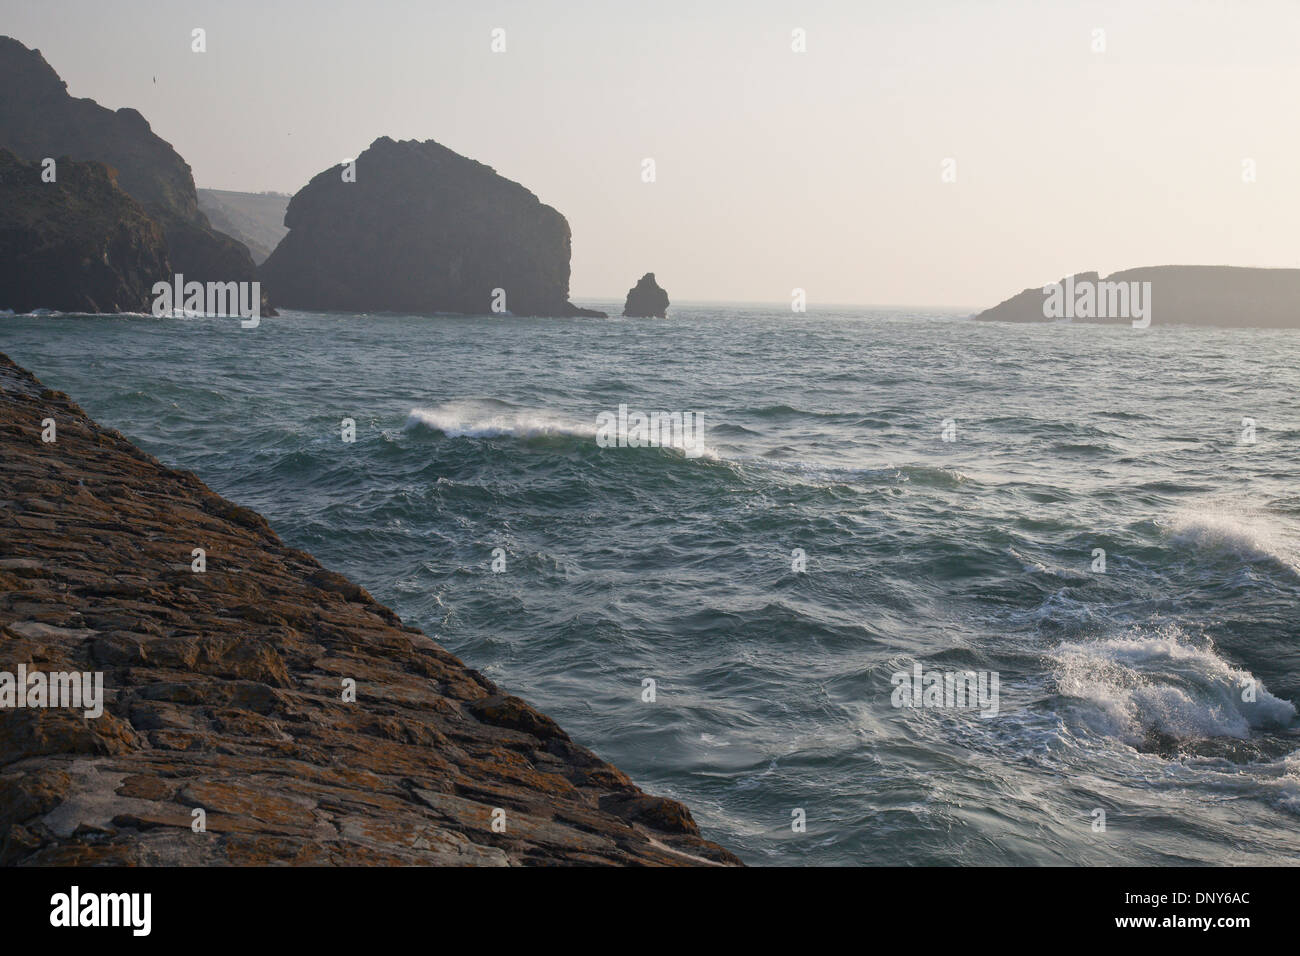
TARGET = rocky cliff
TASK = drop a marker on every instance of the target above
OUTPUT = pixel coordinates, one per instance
(78, 244)
(1179, 295)
(421, 229)
(38, 119)
(646, 300)
(227, 734)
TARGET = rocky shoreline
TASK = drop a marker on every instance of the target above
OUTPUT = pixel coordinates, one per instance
(227, 736)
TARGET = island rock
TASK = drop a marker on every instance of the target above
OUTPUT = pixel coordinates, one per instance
(413, 227)
(646, 300)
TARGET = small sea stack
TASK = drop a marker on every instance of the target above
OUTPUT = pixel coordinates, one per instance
(646, 300)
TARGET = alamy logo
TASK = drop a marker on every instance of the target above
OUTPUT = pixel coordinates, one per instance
(57, 689)
(74, 909)
(242, 299)
(954, 690)
(1086, 299)
(682, 430)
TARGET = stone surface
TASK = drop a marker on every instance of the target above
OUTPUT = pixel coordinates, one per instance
(38, 119)
(78, 244)
(422, 230)
(224, 692)
(646, 300)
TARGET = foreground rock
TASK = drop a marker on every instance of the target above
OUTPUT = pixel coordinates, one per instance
(1179, 295)
(421, 230)
(79, 244)
(38, 119)
(224, 693)
(646, 300)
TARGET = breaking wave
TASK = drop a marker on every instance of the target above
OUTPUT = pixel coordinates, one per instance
(1143, 684)
(1224, 529)
(492, 419)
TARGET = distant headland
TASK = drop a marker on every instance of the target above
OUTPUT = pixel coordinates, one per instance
(1228, 296)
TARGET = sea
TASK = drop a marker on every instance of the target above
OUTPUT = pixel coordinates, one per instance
(921, 591)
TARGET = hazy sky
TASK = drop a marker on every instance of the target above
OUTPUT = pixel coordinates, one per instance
(775, 169)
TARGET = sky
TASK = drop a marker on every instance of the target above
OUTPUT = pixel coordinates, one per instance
(1071, 149)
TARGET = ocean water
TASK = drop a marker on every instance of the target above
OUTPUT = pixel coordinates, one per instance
(1125, 691)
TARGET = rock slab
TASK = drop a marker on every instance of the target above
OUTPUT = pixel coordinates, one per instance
(225, 693)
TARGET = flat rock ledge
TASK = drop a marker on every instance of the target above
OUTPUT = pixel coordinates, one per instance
(223, 692)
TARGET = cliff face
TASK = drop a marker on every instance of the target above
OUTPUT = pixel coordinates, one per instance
(422, 229)
(646, 300)
(79, 244)
(224, 690)
(38, 119)
(1181, 295)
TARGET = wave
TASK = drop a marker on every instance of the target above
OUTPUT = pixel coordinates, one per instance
(56, 314)
(1142, 686)
(490, 418)
(1225, 529)
(820, 472)
(493, 419)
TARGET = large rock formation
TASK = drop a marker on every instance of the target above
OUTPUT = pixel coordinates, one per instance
(255, 219)
(1179, 295)
(224, 692)
(38, 119)
(422, 230)
(646, 300)
(78, 244)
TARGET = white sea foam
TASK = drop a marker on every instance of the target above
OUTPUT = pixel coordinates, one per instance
(1236, 530)
(56, 314)
(1288, 784)
(1142, 682)
(487, 418)
(490, 419)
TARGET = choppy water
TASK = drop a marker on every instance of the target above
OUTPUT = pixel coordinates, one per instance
(1119, 690)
